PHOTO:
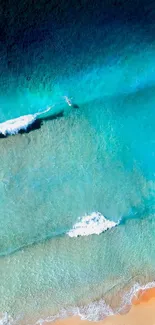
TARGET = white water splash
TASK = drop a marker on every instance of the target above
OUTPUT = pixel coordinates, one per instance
(94, 311)
(13, 126)
(127, 300)
(5, 319)
(95, 223)
(98, 310)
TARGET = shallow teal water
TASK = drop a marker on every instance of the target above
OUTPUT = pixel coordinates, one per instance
(98, 158)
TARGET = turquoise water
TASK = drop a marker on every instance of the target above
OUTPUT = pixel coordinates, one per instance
(97, 158)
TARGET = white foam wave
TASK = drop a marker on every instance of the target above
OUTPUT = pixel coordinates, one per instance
(5, 319)
(98, 310)
(13, 126)
(94, 311)
(127, 300)
(95, 223)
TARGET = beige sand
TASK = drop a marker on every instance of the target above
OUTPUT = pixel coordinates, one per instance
(142, 312)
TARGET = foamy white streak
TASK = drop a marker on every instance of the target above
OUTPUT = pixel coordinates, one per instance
(135, 290)
(13, 126)
(94, 311)
(95, 223)
(6, 319)
(98, 310)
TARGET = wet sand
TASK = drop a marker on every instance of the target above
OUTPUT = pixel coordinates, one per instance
(142, 312)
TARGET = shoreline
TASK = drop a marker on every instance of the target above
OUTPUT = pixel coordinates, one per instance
(137, 308)
(141, 312)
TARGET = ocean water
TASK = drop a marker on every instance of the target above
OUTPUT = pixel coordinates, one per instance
(77, 195)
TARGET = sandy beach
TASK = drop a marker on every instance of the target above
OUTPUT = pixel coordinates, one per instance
(142, 312)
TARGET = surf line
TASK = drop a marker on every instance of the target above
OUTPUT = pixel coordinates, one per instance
(30, 122)
(94, 223)
(21, 124)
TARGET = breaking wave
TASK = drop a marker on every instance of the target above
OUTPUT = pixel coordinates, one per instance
(98, 310)
(6, 319)
(13, 126)
(95, 223)
(127, 300)
(94, 311)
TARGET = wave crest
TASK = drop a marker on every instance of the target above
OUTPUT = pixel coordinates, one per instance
(13, 126)
(6, 319)
(97, 310)
(94, 311)
(95, 223)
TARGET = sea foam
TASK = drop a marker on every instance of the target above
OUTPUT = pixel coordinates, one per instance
(97, 310)
(95, 223)
(6, 319)
(127, 300)
(13, 126)
(94, 311)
